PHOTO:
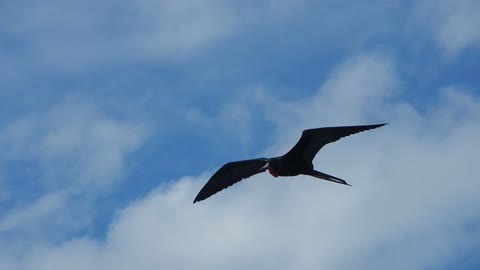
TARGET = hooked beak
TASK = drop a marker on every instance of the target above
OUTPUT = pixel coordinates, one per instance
(264, 168)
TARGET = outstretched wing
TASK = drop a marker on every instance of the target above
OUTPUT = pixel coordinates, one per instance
(312, 140)
(230, 174)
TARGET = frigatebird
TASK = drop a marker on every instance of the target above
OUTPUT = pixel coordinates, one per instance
(295, 162)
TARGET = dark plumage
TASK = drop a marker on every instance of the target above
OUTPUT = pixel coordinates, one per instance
(297, 161)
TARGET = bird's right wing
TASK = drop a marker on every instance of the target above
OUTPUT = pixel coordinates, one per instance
(312, 140)
(230, 174)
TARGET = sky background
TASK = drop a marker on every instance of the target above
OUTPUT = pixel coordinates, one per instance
(114, 114)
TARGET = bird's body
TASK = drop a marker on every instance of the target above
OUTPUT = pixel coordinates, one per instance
(299, 160)
(283, 166)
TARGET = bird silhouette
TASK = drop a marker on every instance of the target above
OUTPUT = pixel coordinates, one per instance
(295, 162)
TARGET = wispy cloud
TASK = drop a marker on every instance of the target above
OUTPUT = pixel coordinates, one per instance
(67, 35)
(452, 24)
(73, 149)
(70, 35)
(172, 28)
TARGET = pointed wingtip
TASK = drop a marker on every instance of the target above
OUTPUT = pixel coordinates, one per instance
(344, 183)
(198, 199)
(378, 125)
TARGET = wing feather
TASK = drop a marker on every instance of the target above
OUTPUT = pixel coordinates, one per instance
(312, 140)
(229, 174)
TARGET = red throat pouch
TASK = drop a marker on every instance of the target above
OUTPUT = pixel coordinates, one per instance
(272, 172)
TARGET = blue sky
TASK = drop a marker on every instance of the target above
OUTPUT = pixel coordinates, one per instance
(113, 115)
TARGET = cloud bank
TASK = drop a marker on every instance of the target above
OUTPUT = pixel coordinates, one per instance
(412, 199)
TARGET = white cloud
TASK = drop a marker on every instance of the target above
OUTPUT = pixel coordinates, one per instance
(69, 35)
(76, 137)
(413, 191)
(453, 23)
(72, 150)
(31, 214)
(59, 34)
(173, 28)
(72, 35)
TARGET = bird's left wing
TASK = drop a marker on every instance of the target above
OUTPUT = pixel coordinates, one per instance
(312, 140)
(230, 174)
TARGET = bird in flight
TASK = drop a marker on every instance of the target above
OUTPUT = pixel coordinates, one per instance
(295, 162)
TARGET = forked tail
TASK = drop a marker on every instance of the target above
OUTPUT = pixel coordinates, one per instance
(327, 177)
